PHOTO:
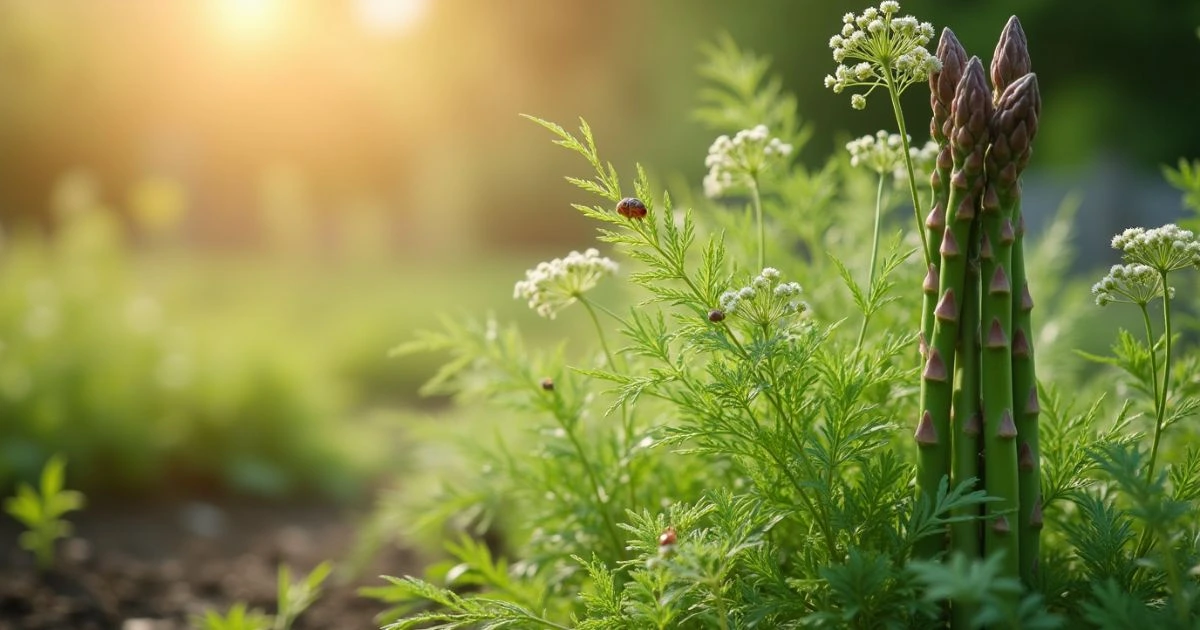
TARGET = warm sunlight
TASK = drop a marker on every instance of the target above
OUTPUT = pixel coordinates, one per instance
(391, 17)
(248, 19)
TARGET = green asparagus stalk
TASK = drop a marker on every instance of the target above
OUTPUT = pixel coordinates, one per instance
(942, 85)
(967, 422)
(1011, 62)
(941, 93)
(1025, 402)
(970, 113)
(1014, 119)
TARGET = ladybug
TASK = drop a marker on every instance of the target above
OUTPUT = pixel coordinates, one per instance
(716, 315)
(548, 384)
(631, 208)
(667, 538)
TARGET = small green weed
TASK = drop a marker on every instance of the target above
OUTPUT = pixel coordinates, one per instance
(293, 598)
(41, 511)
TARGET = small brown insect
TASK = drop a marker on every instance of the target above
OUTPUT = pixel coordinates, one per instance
(548, 384)
(716, 315)
(667, 538)
(631, 208)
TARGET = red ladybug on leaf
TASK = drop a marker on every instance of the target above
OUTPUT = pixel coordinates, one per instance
(631, 208)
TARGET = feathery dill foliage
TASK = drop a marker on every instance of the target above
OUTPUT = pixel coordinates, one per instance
(731, 449)
(723, 460)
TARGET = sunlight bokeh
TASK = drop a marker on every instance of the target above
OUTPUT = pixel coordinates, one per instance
(248, 20)
(391, 17)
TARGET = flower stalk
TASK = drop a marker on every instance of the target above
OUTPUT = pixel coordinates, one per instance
(1160, 404)
(890, 53)
(1149, 256)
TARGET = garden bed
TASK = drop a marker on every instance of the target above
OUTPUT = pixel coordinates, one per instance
(152, 567)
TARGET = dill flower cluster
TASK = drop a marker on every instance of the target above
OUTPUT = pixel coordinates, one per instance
(884, 152)
(730, 161)
(1149, 256)
(555, 285)
(878, 48)
(1165, 249)
(1134, 283)
(765, 300)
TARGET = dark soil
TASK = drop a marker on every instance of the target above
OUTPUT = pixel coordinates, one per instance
(154, 567)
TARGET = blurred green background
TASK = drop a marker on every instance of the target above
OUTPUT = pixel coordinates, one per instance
(219, 215)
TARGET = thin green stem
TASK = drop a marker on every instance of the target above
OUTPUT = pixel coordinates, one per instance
(1148, 536)
(1153, 354)
(1160, 393)
(546, 623)
(626, 419)
(608, 311)
(562, 417)
(908, 164)
(612, 362)
(862, 331)
(756, 197)
(598, 491)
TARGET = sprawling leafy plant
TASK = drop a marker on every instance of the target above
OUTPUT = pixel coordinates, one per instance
(729, 451)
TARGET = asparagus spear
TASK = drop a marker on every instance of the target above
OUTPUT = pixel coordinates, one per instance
(942, 84)
(1011, 62)
(970, 112)
(967, 422)
(1013, 124)
(1025, 402)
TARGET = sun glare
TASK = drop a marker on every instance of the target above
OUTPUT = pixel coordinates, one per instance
(391, 17)
(248, 19)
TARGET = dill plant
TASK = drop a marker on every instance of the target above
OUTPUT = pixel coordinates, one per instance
(729, 452)
(718, 465)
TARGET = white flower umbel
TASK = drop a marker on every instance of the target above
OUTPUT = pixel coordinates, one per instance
(883, 153)
(880, 49)
(737, 161)
(1134, 284)
(1165, 249)
(555, 285)
(1150, 255)
(766, 300)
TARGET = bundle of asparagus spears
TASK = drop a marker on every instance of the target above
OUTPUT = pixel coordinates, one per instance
(979, 401)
